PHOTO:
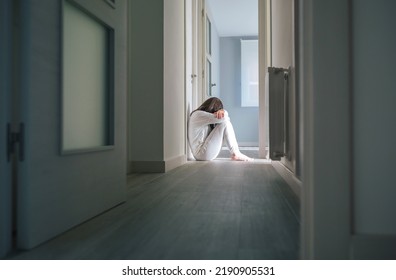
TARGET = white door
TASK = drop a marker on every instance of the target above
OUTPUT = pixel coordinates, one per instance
(73, 96)
(207, 62)
(197, 54)
(202, 47)
(208, 56)
(5, 119)
(191, 55)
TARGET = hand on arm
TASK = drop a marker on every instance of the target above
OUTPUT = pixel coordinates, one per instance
(219, 114)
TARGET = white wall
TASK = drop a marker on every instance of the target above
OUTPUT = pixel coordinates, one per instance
(282, 44)
(156, 105)
(374, 116)
(145, 80)
(174, 97)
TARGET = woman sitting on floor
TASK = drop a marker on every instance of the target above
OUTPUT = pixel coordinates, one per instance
(208, 126)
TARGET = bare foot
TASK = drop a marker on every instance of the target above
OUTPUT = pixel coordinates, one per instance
(241, 157)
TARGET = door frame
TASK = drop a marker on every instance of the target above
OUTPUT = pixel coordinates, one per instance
(326, 225)
(192, 77)
(264, 38)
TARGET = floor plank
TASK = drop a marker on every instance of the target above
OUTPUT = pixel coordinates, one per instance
(201, 210)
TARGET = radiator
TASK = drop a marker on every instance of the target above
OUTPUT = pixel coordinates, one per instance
(277, 95)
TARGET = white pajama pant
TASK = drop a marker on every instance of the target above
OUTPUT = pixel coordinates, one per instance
(211, 147)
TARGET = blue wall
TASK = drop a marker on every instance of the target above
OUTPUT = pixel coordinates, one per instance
(244, 119)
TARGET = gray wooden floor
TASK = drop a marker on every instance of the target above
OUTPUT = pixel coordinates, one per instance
(202, 210)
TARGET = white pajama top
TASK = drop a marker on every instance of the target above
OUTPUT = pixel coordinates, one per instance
(199, 128)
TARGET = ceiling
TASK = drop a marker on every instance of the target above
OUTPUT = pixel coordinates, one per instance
(234, 17)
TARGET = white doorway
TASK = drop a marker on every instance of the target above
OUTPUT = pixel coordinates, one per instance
(218, 59)
(221, 27)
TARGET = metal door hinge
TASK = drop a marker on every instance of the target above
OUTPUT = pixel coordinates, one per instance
(15, 139)
(192, 77)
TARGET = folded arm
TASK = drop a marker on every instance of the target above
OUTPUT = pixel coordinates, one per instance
(205, 118)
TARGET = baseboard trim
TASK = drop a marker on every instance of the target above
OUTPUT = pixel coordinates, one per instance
(294, 183)
(146, 166)
(175, 162)
(374, 247)
(160, 166)
(248, 144)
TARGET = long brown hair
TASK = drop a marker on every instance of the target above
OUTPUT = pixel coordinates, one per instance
(210, 105)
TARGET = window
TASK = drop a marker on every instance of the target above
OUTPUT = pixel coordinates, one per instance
(249, 73)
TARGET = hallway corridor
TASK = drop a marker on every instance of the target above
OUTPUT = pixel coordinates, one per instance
(201, 210)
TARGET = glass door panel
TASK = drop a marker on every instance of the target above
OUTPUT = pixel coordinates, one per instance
(87, 96)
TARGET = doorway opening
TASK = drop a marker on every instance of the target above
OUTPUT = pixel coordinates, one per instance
(224, 40)
(215, 43)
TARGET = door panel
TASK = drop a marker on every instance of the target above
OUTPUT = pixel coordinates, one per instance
(5, 92)
(194, 54)
(60, 190)
(204, 52)
(208, 53)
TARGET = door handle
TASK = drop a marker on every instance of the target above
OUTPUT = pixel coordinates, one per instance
(13, 139)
